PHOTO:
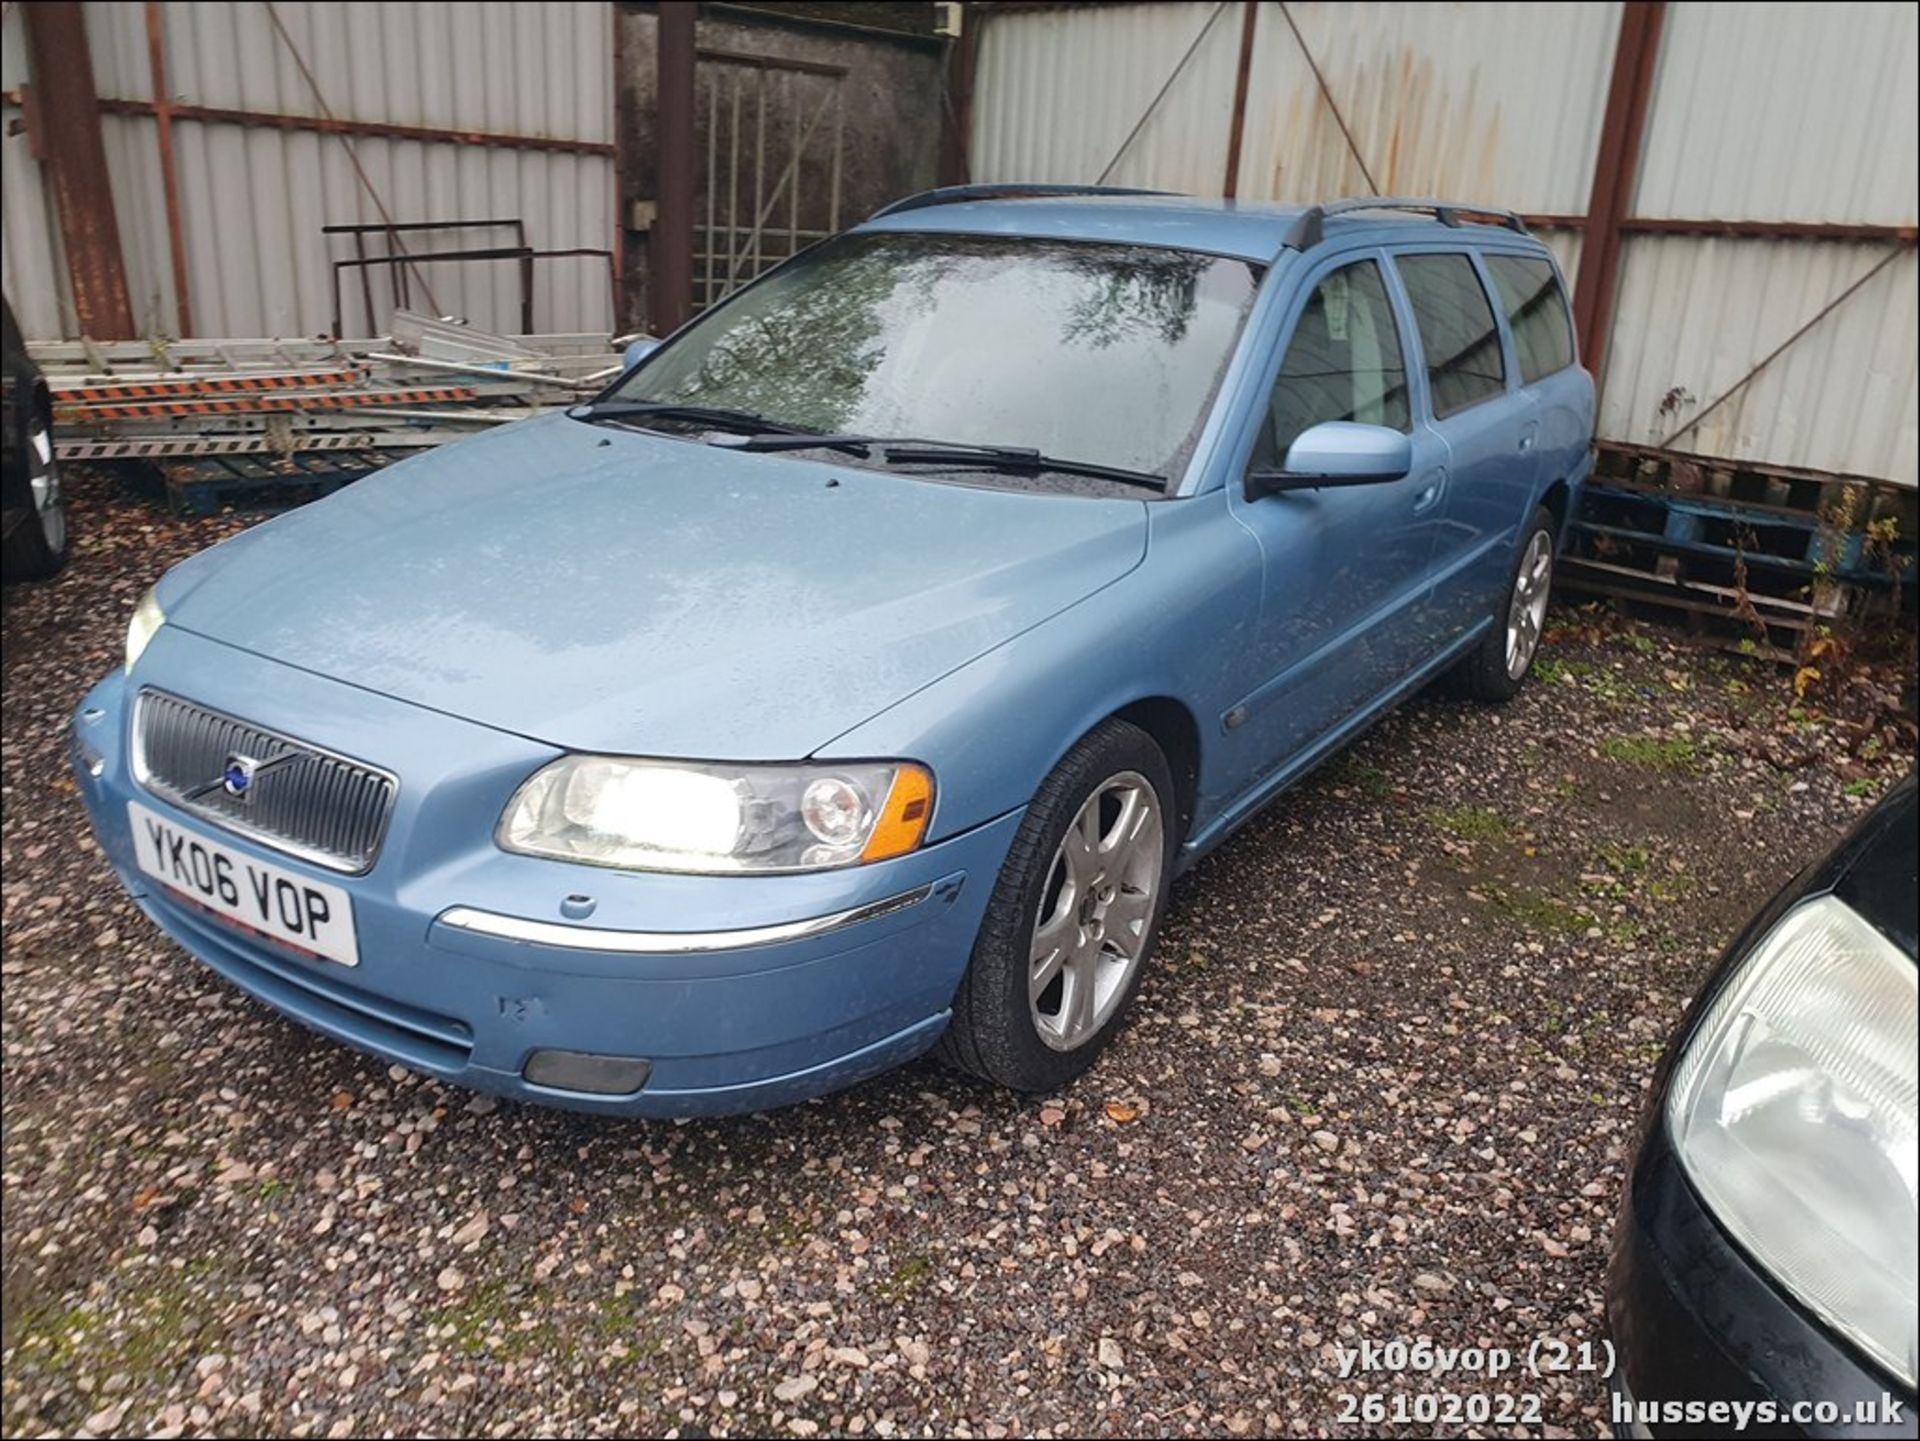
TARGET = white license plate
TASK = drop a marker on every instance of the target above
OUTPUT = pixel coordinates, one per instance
(308, 915)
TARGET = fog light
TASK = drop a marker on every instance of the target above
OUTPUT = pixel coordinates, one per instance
(579, 1071)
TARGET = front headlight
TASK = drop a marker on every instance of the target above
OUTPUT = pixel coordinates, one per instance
(147, 619)
(1793, 1112)
(646, 815)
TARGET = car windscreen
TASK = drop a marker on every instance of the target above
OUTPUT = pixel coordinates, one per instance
(1089, 351)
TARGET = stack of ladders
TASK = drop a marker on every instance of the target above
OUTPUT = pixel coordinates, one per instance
(220, 417)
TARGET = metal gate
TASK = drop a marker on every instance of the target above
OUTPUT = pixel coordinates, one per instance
(775, 145)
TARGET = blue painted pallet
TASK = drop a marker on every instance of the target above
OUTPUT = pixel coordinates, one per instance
(1794, 542)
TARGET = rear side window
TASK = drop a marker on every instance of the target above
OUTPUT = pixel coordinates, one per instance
(1536, 310)
(1343, 362)
(1457, 331)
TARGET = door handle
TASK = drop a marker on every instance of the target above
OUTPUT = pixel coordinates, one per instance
(1527, 435)
(1434, 487)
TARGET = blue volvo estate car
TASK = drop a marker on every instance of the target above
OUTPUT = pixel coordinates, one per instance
(855, 674)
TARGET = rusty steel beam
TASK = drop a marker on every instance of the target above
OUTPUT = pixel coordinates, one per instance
(617, 172)
(670, 271)
(769, 62)
(1842, 232)
(169, 178)
(1249, 21)
(1773, 230)
(1616, 169)
(372, 129)
(69, 115)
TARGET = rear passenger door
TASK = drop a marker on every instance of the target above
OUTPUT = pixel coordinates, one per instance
(1540, 338)
(1487, 426)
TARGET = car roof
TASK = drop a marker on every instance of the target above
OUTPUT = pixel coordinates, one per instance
(1249, 230)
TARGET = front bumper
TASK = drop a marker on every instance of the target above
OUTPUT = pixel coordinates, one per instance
(1694, 1323)
(464, 972)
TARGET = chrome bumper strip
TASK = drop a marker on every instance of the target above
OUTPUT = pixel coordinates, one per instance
(670, 943)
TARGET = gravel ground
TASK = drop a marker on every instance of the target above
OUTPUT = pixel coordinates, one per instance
(1382, 1084)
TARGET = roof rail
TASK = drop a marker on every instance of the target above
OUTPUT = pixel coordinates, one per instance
(1308, 229)
(956, 194)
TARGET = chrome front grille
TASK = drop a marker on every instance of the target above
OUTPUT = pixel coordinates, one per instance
(282, 792)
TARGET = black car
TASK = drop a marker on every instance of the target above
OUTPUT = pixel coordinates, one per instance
(35, 535)
(1764, 1263)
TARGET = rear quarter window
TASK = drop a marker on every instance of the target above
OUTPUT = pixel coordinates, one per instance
(1536, 310)
(1458, 334)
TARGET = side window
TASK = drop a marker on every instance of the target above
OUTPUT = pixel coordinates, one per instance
(1343, 362)
(1536, 310)
(1457, 331)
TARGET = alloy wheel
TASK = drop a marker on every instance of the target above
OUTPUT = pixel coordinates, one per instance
(1527, 611)
(1096, 911)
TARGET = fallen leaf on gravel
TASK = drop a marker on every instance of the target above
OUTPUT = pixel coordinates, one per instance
(342, 1100)
(145, 1197)
(1122, 1113)
(577, 1205)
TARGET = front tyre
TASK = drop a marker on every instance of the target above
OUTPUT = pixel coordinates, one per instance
(1073, 918)
(1499, 665)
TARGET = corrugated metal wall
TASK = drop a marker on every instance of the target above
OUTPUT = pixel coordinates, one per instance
(1058, 92)
(253, 199)
(1802, 112)
(1496, 103)
(1778, 112)
(31, 265)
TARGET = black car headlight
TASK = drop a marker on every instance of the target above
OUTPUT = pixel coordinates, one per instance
(1793, 1112)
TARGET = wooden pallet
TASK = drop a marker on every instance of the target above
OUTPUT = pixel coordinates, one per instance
(1750, 557)
(1847, 502)
(1726, 616)
(202, 485)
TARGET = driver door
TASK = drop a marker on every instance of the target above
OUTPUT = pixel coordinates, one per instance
(1346, 569)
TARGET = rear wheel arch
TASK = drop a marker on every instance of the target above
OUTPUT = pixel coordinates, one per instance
(1555, 501)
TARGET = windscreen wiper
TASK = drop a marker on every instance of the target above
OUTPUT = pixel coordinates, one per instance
(907, 450)
(720, 419)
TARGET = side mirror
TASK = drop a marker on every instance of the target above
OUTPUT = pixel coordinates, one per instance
(1336, 452)
(638, 350)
